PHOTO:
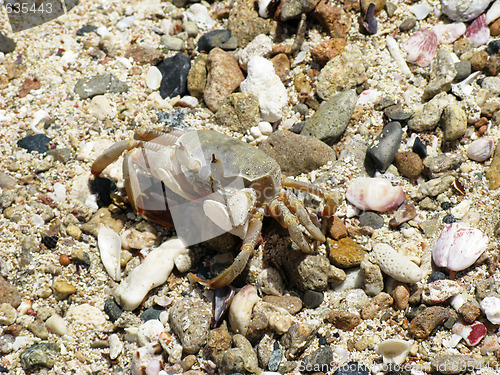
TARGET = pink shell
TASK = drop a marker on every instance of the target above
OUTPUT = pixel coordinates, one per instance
(421, 47)
(458, 247)
(448, 33)
(472, 334)
(374, 194)
(478, 32)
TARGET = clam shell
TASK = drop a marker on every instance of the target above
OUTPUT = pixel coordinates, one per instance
(458, 246)
(478, 32)
(481, 149)
(374, 194)
(421, 47)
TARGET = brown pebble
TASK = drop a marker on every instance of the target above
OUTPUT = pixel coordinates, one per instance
(343, 319)
(379, 5)
(375, 305)
(219, 340)
(281, 65)
(290, 303)
(64, 260)
(13, 329)
(143, 55)
(280, 48)
(345, 253)
(328, 49)
(495, 28)
(492, 65)
(338, 229)
(401, 295)
(478, 60)
(481, 122)
(188, 362)
(28, 85)
(333, 19)
(409, 164)
(424, 323)
(482, 129)
(469, 312)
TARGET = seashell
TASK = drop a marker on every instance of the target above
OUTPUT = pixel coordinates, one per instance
(395, 265)
(110, 246)
(420, 10)
(491, 308)
(421, 47)
(57, 325)
(472, 334)
(458, 246)
(153, 78)
(115, 346)
(374, 194)
(448, 33)
(478, 32)
(149, 332)
(493, 13)
(394, 351)
(481, 149)
(490, 344)
(134, 239)
(370, 22)
(463, 10)
(240, 311)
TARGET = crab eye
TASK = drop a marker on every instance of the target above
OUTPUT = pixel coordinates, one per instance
(214, 159)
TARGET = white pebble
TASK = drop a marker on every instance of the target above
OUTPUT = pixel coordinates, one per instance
(57, 325)
(198, 14)
(59, 192)
(110, 246)
(240, 311)
(265, 128)
(188, 101)
(461, 209)
(151, 273)
(395, 265)
(102, 31)
(255, 132)
(261, 45)
(101, 107)
(493, 13)
(149, 332)
(491, 307)
(87, 315)
(125, 23)
(115, 346)
(153, 78)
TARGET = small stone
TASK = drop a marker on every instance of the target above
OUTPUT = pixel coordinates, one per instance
(313, 299)
(86, 317)
(372, 309)
(495, 28)
(7, 44)
(319, 359)
(102, 217)
(245, 23)
(218, 341)
(453, 122)
(352, 368)
(345, 252)
(290, 303)
(408, 24)
(36, 142)
(62, 288)
(238, 112)
(171, 43)
(197, 76)
(42, 354)
(85, 30)
(442, 75)
(435, 186)
(74, 231)
(439, 291)
(213, 39)
(493, 173)
(464, 69)
(6, 182)
(338, 229)
(281, 65)
(327, 50)
(397, 113)
(57, 325)
(297, 339)
(401, 295)
(174, 71)
(371, 219)
(409, 164)
(193, 336)
(333, 18)
(270, 281)
(478, 61)
(380, 154)
(9, 293)
(143, 55)
(8, 314)
(291, 9)
(435, 276)
(404, 213)
(343, 319)
(39, 329)
(112, 309)
(241, 359)
(152, 313)
(427, 117)
(424, 323)
(329, 122)
(469, 312)
(99, 85)
(296, 153)
(374, 281)
(224, 76)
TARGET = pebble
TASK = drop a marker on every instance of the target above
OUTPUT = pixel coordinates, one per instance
(375, 305)
(57, 325)
(197, 76)
(144, 55)
(342, 73)
(218, 341)
(328, 49)
(427, 117)
(99, 85)
(318, 360)
(7, 44)
(352, 368)
(260, 46)
(153, 78)
(194, 335)
(373, 279)
(134, 239)
(439, 291)
(224, 76)
(85, 30)
(115, 346)
(463, 69)
(493, 173)
(281, 65)
(409, 164)
(371, 219)
(291, 304)
(171, 43)
(43, 354)
(469, 312)
(149, 332)
(38, 328)
(333, 18)
(241, 359)
(87, 316)
(463, 10)
(442, 75)
(343, 319)
(100, 107)
(238, 112)
(264, 83)
(245, 23)
(424, 323)
(491, 308)
(408, 24)
(6, 182)
(296, 153)
(434, 187)
(8, 314)
(174, 71)
(453, 122)
(270, 282)
(36, 142)
(297, 339)
(435, 276)
(9, 293)
(404, 213)
(291, 9)
(112, 309)
(313, 299)
(381, 152)
(345, 252)
(401, 296)
(329, 122)
(396, 265)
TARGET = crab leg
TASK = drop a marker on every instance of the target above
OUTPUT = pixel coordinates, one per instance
(296, 206)
(239, 264)
(330, 201)
(112, 154)
(280, 212)
(164, 138)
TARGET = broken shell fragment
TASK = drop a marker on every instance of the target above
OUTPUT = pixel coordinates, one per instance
(472, 334)
(478, 32)
(240, 311)
(491, 308)
(421, 47)
(458, 246)
(394, 351)
(481, 149)
(374, 194)
(110, 246)
(448, 33)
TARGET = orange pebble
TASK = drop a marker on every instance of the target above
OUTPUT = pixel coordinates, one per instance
(64, 260)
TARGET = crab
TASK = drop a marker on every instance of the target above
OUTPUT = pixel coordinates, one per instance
(203, 179)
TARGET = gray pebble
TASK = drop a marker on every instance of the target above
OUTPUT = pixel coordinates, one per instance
(408, 24)
(437, 166)
(241, 359)
(313, 299)
(319, 360)
(41, 354)
(6, 44)
(6, 343)
(371, 219)
(330, 120)
(380, 154)
(427, 117)
(171, 43)
(239, 112)
(112, 309)
(463, 69)
(153, 313)
(442, 75)
(374, 281)
(230, 44)
(6, 182)
(174, 119)
(301, 108)
(396, 113)
(99, 85)
(390, 8)
(294, 8)
(276, 357)
(7, 198)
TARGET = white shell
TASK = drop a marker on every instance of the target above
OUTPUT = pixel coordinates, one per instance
(481, 149)
(240, 311)
(448, 33)
(491, 307)
(463, 10)
(394, 350)
(374, 194)
(153, 78)
(396, 265)
(57, 325)
(110, 246)
(421, 47)
(420, 10)
(458, 246)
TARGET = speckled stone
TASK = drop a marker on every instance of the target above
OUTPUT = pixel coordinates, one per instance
(291, 9)
(469, 312)
(197, 76)
(453, 122)
(424, 323)
(39, 329)
(409, 164)
(144, 55)
(297, 339)
(238, 112)
(338, 229)
(42, 354)
(375, 305)
(218, 341)
(345, 252)
(321, 358)
(245, 23)
(408, 24)
(9, 293)
(328, 49)
(290, 303)
(493, 173)
(343, 319)
(371, 219)
(99, 85)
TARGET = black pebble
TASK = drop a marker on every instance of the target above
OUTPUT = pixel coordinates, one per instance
(313, 299)
(213, 39)
(103, 187)
(435, 276)
(6, 44)
(174, 72)
(112, 309)
(3, 369)
(371, 219)
(36, 142)
(50, 241)
(85, 30)
(352, 368)
(152, 313)
(382, 151)
(419, 148)
(297, 127)
(446, 205)
(493, 47)
(448, 219)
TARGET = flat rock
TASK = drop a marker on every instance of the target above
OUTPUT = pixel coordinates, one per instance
(9, 293)
(427, 117)
(174, 71)
(290, 303)
(424, 323)
(6, 44)
(238, 112)
(36, 142)
(144, 55)
(345, 253)
(99, 85)
(453, 122)
(328, 49)
(42, 354)
(329, 122)
(212, 39)
(296, 153)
